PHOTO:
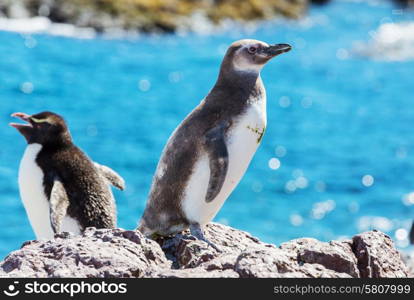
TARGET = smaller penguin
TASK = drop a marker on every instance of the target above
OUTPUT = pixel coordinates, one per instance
(60, 187)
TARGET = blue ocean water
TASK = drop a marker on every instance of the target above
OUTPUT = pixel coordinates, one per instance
(337, 157)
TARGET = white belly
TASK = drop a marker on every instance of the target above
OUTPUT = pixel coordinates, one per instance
(34, 199)
(242, 143)
(32, 193)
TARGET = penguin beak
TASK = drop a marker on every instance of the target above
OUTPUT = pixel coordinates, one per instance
(275, 50)
(21, 116)
(25, 129)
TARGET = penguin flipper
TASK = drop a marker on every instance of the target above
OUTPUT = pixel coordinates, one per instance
(216, 148)
(113, 177)
(59, 203)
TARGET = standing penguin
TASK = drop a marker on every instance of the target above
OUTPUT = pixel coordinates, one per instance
(60, 187)
(208, 153)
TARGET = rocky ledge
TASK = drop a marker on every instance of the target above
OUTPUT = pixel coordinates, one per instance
(151, 16)
(124, 253)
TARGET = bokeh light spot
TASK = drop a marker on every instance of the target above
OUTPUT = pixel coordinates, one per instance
(144, 85)
(274, 163)
(401, 234)
(284, 101)
(296, 219)
(367, 180)
(27, 87)
(280, 151)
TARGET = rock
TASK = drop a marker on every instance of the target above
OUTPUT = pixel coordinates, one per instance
(405, 3)
(377, 256)
(151, 16)
(320, 2)
(188, 252)
(191, 273)
(412, 234)
(123, 253)
(278, 263)
(408, 259)
(158, 16)
(336, 256)
(97, 253)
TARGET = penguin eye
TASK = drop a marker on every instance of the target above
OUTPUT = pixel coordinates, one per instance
(252, 49)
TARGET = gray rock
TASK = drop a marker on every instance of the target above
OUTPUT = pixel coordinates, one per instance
(150, 16)
(336, 256)
(122, 253)
(408, 259)
(97, 253)
(377, 256)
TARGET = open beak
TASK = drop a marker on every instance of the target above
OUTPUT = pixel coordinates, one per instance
(25, 129)
(23, 117)
(274, 50)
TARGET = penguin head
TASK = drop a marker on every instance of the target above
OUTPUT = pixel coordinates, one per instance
(249, 56)
(42, 128)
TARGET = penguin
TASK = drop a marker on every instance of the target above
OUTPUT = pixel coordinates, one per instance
(412, 234)
(60, 187)
(208, 153)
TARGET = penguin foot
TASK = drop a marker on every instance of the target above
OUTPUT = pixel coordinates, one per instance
(196, 231)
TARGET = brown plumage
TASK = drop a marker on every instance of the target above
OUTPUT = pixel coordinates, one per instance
(75, 186)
